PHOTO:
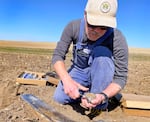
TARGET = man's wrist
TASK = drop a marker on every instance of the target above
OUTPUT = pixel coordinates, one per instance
(105, 97)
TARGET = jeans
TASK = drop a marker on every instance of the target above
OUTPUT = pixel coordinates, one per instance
(96, 77)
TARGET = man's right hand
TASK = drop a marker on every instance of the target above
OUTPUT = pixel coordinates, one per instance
(72, 88)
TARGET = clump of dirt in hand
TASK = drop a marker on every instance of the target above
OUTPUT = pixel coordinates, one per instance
(89, 96)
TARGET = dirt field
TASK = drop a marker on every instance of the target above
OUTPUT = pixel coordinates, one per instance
(14, 109)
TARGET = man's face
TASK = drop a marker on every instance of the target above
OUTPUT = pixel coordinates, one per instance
(94, 32)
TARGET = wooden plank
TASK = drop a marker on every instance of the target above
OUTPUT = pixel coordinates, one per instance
(39, 80)
(53, 80)
(136, 112)
(136, 105)
(31, 81)
(136, 101)
(36, 81)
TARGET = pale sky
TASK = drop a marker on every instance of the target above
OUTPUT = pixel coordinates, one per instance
(44, 20)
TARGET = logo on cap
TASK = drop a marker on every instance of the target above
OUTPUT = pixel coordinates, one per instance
(105, 7)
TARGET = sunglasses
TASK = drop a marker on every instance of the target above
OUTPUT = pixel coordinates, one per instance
(94, 26)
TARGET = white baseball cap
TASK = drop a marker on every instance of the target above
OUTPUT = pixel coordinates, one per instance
(102, 12)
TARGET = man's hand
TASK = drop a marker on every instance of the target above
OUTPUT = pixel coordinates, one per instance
(92, 101)
(72, 88)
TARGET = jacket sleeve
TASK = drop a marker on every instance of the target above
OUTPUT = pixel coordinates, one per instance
(63, 45)
(120, 52)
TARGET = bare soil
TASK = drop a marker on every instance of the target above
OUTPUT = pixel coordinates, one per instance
(14, 109)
